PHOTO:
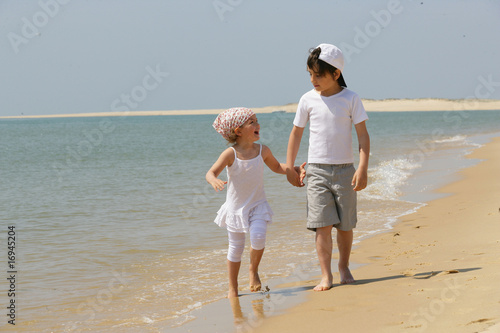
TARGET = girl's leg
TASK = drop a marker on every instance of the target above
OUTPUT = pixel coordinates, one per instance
(233, 268)
(234, 252)
(258, 229)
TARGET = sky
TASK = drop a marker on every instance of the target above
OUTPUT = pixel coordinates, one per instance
(80, 56)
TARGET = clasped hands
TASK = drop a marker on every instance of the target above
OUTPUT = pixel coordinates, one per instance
(296, 175)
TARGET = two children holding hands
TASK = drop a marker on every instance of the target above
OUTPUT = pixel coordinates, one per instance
(332, 181)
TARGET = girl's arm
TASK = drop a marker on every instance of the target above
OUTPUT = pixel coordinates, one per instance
(225, 159)
(278, 167)
(272, 162)
(360, 179)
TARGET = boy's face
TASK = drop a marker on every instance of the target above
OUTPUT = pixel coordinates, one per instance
(325, 84)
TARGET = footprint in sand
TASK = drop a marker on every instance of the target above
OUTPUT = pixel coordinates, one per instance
(451, 271)
(479, 321)
(429, 275)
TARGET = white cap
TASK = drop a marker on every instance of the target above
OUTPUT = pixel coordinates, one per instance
(332, 55)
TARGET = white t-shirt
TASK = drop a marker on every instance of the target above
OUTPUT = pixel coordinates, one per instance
(330, 124)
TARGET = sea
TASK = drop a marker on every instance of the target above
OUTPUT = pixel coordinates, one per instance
(106, 223)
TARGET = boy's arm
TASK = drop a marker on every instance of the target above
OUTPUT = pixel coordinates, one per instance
(360, 179)
(226, 158)
(291, 154)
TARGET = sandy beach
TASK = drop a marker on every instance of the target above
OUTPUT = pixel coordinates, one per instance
(436, 271)
(387, 105)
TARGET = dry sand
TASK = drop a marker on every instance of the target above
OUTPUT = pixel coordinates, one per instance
(436, 271)
(428, 104)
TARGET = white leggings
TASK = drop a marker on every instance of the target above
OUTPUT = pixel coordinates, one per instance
(258, 230)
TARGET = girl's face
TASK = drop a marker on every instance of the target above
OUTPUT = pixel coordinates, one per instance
(325, 84)
(250, 129)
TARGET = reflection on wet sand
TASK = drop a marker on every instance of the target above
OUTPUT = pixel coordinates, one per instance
(244, 314)
(255, 318)
(264, 304)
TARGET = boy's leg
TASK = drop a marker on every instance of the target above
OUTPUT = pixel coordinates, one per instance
(324, 250)
(258, 229)
(346, 202)
(344, 243)
(321, 216)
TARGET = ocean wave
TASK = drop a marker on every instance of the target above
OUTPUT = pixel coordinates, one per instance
(453, 139)
(387, 179)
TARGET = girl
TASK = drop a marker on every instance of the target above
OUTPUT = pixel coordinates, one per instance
(246, 209)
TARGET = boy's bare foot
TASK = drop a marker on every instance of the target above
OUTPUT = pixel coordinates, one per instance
(325, 284)
(255, 284)
(346, 276)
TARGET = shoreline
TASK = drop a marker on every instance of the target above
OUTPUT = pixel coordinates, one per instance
(386, 105)
(435, 271)
(166, 292)
(422, 275)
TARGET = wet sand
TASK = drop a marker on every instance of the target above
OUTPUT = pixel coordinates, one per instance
(436, 271)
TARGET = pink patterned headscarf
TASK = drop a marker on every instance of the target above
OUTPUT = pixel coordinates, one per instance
(230, 119)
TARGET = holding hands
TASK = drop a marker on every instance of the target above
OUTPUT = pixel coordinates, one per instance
(296, 175)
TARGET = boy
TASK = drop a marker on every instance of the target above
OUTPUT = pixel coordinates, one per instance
(332, 181)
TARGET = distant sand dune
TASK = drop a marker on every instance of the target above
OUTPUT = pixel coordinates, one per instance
(386, 105)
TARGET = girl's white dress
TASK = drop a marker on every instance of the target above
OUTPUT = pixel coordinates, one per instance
(245, 197)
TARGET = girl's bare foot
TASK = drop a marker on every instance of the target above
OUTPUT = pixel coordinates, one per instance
(255, 284)
(346, 276)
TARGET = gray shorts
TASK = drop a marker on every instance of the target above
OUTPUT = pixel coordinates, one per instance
(331, 199)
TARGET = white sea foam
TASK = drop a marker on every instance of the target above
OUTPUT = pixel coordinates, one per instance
(387, 179)
(453, 139)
